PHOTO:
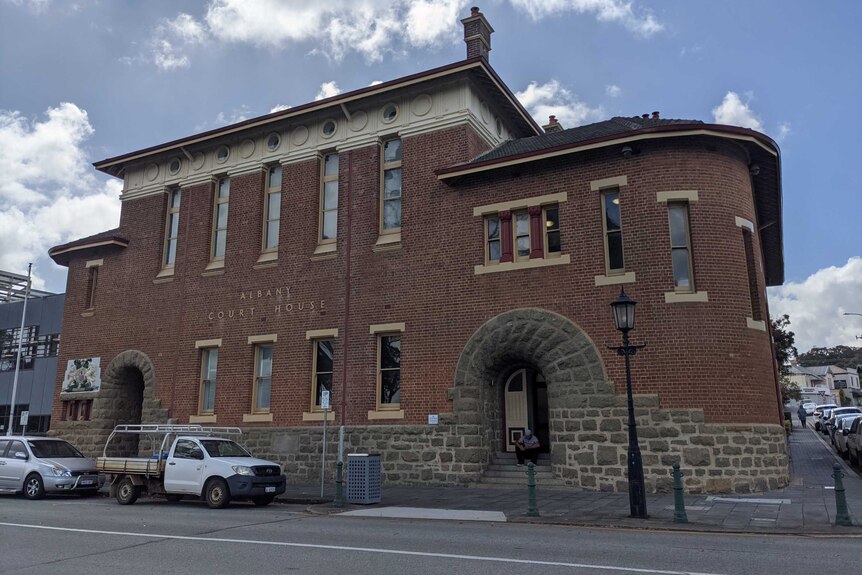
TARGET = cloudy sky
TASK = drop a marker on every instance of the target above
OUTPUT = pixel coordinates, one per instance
(84, 80)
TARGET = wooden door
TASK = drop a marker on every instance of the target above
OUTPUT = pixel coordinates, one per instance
(517, 418)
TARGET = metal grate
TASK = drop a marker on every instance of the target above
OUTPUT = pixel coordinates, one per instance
(363, 478)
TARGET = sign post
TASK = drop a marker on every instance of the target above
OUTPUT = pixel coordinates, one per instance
(324, 405)
(25, 417)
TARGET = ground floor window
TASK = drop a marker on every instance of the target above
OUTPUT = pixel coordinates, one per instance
(389, 371)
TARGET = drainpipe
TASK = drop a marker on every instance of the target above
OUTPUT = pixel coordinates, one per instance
(344, 372)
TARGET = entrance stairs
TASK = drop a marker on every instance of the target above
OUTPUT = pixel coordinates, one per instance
(503, 471)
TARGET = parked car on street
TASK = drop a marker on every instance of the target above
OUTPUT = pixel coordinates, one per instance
(828, 427)
(854, 443)
(841, 432)
(38, 465)
(819, 412)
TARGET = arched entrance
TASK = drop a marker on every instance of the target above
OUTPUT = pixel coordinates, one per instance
(525, 406)
(556, 357)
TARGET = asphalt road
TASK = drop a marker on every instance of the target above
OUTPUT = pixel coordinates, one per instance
(70, 536)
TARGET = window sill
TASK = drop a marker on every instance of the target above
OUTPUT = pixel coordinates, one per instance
(257, 417)
(387, 242)
(317, 416)
(208, 273)
(324, 252)
(211, 418)
(522, 265)
(626, 278)
(693, 297)
(386, 414)
(164, 280)
(759, 325)
(264, 266)
(215, 265)
(88, 313)
(267, 257)
(166, 272)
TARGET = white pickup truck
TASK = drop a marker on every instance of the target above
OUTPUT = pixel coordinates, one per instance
(188, 461)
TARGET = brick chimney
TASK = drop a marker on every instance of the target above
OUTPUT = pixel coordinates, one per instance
(553, 125)
(477, 34)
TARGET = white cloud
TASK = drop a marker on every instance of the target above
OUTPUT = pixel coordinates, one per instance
(328, 90)
(172, 38)
(375, 82)
(552, 99)
(817, 304)
(613, 91)
(617, 11)
(783, 131)
(735, 112)
(279, 108)
(48, 194)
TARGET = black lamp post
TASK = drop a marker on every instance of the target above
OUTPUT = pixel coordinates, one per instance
(624, 320)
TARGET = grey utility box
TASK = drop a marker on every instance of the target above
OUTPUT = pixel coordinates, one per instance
(363, 478)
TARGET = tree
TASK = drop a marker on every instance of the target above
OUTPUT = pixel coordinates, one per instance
(783, 342)
(841, 355)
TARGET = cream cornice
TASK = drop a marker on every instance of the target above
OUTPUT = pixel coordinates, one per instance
(521, 265)
(268, 121)
(743, 223)
(613, 182)
(256, 417)
(321, 333)
(88, 246)
(265, 338)
(520, 203)
(95, 263)
(208, 343)
(674, 196)
(248, 168)
(604, 144)
(387, 328)
(318, 415)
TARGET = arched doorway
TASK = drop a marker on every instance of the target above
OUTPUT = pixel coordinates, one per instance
(525, 406)
(562, 371)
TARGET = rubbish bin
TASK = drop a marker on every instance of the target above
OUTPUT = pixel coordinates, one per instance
(363, 478)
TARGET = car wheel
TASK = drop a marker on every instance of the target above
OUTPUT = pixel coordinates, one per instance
(262, 500)
(173, 497)
(33, 487)
(217, 494)
(127, 492)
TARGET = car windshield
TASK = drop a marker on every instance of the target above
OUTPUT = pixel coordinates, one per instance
(223, 448)
(47, 448)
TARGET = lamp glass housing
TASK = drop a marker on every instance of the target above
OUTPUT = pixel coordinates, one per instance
(624, 312)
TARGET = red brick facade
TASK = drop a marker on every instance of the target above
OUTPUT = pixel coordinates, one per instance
(707, 355)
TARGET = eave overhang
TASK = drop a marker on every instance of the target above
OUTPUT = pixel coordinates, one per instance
(62, 254)
(477, 68)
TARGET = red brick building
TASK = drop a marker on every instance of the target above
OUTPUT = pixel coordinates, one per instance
(444, 266)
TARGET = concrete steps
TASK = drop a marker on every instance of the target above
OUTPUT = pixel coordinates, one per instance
(504, 471)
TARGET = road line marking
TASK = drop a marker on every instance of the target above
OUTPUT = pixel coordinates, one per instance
(362, 549)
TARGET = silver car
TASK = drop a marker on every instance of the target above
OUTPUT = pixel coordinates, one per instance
(38, 465)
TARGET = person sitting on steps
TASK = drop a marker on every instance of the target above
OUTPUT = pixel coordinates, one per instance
(527, 447)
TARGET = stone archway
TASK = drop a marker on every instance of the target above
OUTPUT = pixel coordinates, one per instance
(552, 345)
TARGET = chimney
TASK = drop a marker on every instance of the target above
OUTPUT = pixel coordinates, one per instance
(645, 116)
(477, 34)
(553, 125)
(655, 116)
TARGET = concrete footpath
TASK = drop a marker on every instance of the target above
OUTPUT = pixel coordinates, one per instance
(806, 506)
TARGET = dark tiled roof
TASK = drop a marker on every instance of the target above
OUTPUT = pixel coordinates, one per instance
(109, 235)
(603, 129)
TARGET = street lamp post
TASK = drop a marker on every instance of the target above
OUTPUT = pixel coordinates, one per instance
(624, 320)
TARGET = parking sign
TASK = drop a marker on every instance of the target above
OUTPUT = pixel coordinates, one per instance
(324, 400)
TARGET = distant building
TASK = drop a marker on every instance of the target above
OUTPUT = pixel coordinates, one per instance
(444, 266)
(38, 367)
(823, 383)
